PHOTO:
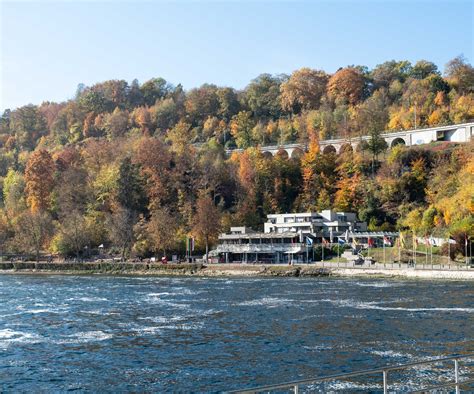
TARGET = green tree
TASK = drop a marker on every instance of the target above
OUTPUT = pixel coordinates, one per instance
(29, 125)
(241, 128)
(262, 96)
(130, 188)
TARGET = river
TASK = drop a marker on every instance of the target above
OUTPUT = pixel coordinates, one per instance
(115, 334)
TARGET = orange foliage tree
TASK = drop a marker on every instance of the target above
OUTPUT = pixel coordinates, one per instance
(39, 177)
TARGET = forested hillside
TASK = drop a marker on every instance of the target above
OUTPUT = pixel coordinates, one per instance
(139, 167)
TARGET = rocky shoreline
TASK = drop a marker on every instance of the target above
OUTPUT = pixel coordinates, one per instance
(139, 268)
(222, 270)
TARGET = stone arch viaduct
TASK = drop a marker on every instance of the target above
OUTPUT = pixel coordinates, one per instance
(453, 133)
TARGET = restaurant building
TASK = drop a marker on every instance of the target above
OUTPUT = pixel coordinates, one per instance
(286, 238)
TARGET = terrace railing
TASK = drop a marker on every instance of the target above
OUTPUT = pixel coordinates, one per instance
(384, 373)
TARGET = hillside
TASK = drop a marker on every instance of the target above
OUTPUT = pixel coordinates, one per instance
(119, 164)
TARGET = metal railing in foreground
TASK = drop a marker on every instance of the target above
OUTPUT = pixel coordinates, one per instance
(295, 385)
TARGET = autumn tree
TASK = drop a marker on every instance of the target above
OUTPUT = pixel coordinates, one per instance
(241, 128)
(39, 178)
(201, 103)
(460, 74)
(120, 225)
(303, 90)
(180, 137)
(142, 117)
(33, 231)
(207, 221)
(347, 84)
(154, 161)
(162, 230)
(29, 125)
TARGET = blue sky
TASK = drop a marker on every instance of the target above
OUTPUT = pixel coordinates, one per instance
(48, 48)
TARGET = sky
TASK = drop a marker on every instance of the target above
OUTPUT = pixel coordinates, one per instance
(48, 48)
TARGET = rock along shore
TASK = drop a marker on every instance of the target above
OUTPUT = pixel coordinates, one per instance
(223, 270)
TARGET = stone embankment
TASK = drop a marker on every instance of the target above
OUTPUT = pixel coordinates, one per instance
(225, 270)
(139, 268)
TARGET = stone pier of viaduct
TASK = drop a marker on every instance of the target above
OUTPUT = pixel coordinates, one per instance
(453, 133)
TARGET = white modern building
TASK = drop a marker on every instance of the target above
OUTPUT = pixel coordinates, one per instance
(286, 237)
(327, 223)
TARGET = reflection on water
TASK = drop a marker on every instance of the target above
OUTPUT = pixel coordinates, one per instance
(157, 334)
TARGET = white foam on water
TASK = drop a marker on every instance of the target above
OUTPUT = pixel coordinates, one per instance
(164, 319)
(148, 330)
(7, 333)
(318, 347)
(56, 309)
(9, 337)
(100, 312)
(84, 337)
(391, 353)
(87, 299)
(159, 294)
(377, 284)
(376, 306)
(152, 298)
(186, 327)
(269, 302)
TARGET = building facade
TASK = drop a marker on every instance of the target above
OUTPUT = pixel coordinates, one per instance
(286, 238)
(327, 223)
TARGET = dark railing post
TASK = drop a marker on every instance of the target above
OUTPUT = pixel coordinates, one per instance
(456, 374)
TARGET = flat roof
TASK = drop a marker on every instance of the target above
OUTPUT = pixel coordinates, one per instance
(288, 234)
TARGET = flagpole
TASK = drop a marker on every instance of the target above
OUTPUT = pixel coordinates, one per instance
(338, 252)
(426, 252)
(399, 247)
(465, 247)
(383, 243)
(322, 249)
(431, 250)
(368, 246)
(449, 250)
(306, 250)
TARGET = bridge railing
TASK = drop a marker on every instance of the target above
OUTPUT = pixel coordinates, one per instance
(384, 374)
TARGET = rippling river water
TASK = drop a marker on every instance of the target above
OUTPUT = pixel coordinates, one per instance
(99, 333)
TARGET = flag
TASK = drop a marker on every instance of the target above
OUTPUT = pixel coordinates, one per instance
(190, 244)
(354, 243)
(309, 241)
(402, 240)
